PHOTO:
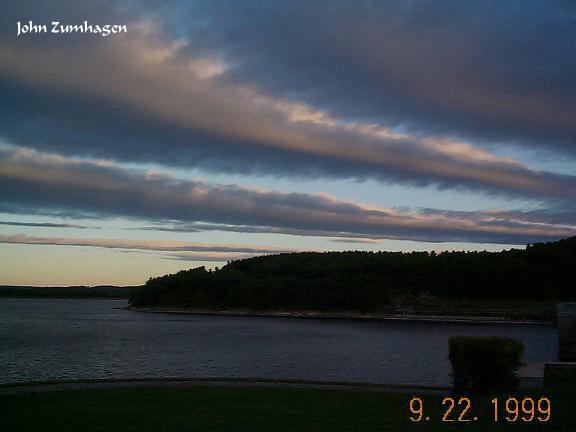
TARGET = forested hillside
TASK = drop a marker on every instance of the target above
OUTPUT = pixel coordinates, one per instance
(369, 281)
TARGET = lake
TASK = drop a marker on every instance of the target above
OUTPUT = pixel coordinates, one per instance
(77, 339)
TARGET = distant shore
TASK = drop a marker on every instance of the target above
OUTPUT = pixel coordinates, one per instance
(444, 318)
(107, 292)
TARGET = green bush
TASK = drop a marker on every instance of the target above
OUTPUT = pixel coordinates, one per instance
(485, 364)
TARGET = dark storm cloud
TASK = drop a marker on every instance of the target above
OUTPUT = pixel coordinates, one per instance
(488, 70)
(561, 214)
(223, 98)
(31, 182)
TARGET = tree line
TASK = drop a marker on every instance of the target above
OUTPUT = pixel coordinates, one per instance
(359, 281)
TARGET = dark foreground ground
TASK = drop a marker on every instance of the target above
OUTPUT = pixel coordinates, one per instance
(205, 408)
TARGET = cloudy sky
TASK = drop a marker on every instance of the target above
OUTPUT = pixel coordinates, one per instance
(219, 130)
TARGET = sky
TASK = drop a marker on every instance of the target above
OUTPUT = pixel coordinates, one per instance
(212, 131)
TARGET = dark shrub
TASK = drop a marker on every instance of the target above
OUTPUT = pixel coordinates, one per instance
(484, 364)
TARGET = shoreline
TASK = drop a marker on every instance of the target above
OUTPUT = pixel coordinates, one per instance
(448, 319)
(10, 389)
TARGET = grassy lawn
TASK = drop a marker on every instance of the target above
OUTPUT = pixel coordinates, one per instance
(205, 408)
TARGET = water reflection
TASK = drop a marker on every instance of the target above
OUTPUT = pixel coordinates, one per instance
(77, 339)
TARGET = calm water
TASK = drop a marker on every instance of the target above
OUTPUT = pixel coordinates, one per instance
(72, 339)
